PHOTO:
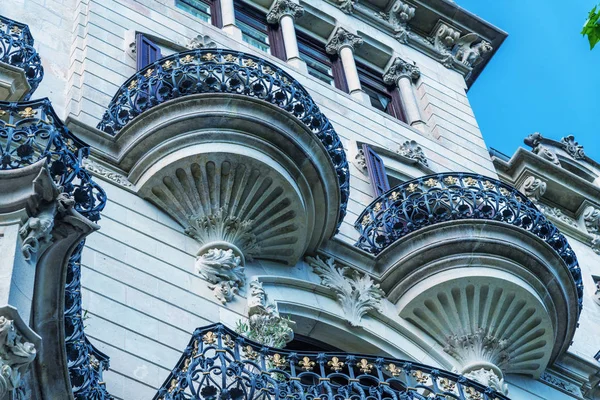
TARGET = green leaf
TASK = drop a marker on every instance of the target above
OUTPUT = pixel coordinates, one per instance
(591, 28)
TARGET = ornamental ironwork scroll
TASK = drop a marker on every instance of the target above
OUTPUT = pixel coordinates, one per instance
(225, 71)
(438, 198)
(16, 49)
(220, 364)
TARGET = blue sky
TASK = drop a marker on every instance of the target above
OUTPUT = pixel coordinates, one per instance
(544, 78)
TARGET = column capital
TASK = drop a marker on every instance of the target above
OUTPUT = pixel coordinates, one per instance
(342, 38)
(282, 8)
(400, 69)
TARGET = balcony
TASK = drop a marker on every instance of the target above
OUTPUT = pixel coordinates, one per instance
(32, 138)
(217, 138)
(20, 66)
(451, 248)
(220, 364)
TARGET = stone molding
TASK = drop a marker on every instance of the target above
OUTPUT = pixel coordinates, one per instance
(342, 38)
(103, 172)
(411, 149)
(356, 293)
(265, 325)
(201, 42)
(398, 17)
(18, 349)
(223, 270)
(282, 8)
(401, 69)
(560, 384)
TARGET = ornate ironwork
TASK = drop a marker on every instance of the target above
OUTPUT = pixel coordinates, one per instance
(220, 364)
(434, 199)
(16, 49)
(224, 71)
(86, 363)
(30, 131)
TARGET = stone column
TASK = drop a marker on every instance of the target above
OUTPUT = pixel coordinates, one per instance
(402, 74)
(343, 43)
(283, 13)
(228, 18)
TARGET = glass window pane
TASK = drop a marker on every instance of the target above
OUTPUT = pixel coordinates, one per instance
(254, 37)
(318, 69)
(195, 7)
(378, 100)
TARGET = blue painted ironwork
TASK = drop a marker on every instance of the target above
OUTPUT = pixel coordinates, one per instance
(220, 364)
(438, 198)
(16, 49)
(29, 132)
(225, 71)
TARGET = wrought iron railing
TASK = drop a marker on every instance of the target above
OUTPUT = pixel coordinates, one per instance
(30, 132)
(438, 198)
(220, 364)
(224, 71)
(16, 49)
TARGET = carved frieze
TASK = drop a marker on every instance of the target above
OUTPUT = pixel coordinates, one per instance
(224, 272)
(201, 42)
(342, 38)
(574, 149)
(559, 383)
(102, 171)
(411, 149)
(284, 7)
(356, 293)
(265, 324)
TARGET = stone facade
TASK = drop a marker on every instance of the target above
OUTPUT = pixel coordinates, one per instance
(223, 207)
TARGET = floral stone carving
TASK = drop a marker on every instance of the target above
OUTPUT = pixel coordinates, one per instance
(356, 293)
(201, 42)
(265, 325)
(16, 353)
(284, 7)
(487, 377)
(224, 272)
(534, 188)
(342, 38)
(411, 149)
(574, 149)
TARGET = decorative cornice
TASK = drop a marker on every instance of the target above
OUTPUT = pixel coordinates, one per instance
(574, 149)
(411, 149)
(282, 8)
(444, 39)
(356, 293)
(535, 142)
(201, 42)
(265, 325)
(224, 272)
(342, 38)
(401, 69)
(398, 17)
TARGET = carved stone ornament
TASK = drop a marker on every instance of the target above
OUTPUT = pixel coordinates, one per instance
(560, 383)
(361, 162)
(591, 217)
(535, 142)
(201, 42)
(284, 7)
(342, 38)
(534, 188)
(444, 39)
(477, 347)
(265, 325)
(16, 353)
(411, 149)
(470, 52)
(346, 6)
(557, 214)
(401, 69)
(356, 293)
(595, 245)
(488, 378)
(102, 171)
(574, 149)
(223, 270)
(36, 232)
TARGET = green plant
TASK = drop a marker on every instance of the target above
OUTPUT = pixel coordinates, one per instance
(591, 28)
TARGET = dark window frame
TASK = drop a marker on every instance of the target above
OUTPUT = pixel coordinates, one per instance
(216, 18)
(314, 49)
(258, 20)
(372, 80)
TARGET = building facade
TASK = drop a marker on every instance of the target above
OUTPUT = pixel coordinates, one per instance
(236, 199)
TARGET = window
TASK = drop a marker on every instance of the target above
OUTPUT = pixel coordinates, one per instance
(146, 51)
(207, 11)
(320, 64)
(376, 169)
(382, 97)
(305, 343)
(257, 32)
